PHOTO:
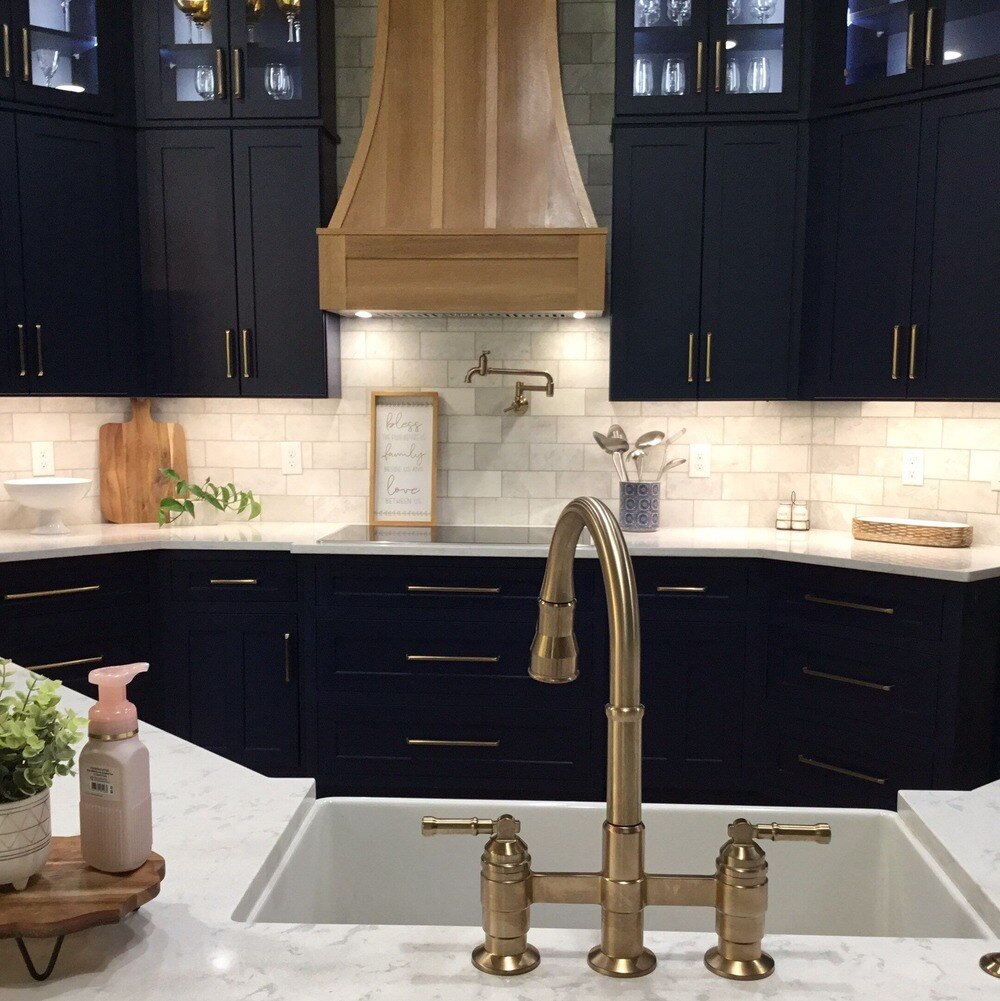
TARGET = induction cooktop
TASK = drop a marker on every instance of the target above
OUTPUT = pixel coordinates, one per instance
(489, 535)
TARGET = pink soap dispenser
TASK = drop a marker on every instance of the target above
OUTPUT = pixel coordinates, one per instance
(116, 819)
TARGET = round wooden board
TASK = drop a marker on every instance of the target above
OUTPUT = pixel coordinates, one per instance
(69, 896)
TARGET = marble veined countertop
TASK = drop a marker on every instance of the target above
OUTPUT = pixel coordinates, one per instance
(221, 826)
(817, 547)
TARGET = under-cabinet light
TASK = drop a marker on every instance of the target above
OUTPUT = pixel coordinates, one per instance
(579, 315)
(950, 55)
(730, 43)
(73, 88)
(363, 314)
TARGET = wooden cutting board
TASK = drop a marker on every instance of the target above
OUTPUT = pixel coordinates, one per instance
(131, 457)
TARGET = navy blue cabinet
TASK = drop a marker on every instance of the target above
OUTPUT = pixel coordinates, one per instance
(12, 345)
(705, 261)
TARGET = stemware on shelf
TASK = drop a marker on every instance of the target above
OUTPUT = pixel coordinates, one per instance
(254, 9)
(48, 63)
(764, 9)
(733, 10)
(642, 81)
(189, 8)
(278, 81)
(673, 77)
(679, 11)
(202, 16)
(649, 12)
(65, 13)
(732, 76)
(759, 75)
(204, 82)
(291, 9)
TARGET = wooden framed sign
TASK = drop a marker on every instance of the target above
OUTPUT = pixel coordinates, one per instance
(403, 470)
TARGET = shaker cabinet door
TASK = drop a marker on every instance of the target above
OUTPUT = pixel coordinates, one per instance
(189, 263)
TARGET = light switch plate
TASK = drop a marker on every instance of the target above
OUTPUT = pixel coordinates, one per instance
(291, 458)
(700, 462)
(43, 458)
(913, 467)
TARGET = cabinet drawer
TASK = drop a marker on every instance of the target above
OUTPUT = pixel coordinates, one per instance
(233, 580)
(847, 766)
(870, 601)
(691, 584)
(73, 584)
(878, 681)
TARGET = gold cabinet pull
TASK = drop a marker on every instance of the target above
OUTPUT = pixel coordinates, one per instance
(220, 74)
(288, 658)
(929, 41)
(427, 589)
(914, 331)
(25, 56)
(23, 372)
(911, 29)
(238, 73)
(56, 665)
(718, 66)
(38, 349)
(245, 350)
(699, 83)
(54, 593)
(895, 347)
(857, 606)
(813, 763)
(234, 581)
(429, 658)
(843, 679)
(681, 590)
(690, 357)
(417, 742)
(229, 354)
(708, 357)
(6, 52)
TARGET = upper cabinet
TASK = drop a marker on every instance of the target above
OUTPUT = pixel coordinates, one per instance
(216, 59)
(697, 56)
(876, 48)
(62, 54)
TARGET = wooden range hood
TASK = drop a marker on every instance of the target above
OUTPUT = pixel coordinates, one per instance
(464, 195)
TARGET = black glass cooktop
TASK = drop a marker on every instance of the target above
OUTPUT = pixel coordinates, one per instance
(490, 535)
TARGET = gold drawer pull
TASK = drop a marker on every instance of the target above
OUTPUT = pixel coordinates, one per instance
(929, 41)
(427, 589)
(681, 590)
(245, 352)
(65, 663)
(813, 763)
(699, 85)
(22, 355)
(220, 74)
(857, 606)
(235, 581)
(914, 333)
(690, 357)
(412, 742)
(6, 51)
(25, 56)
(55, 593)
(810, 673)
(429, 658)
(229, 354)
(910, 34)
(895, 345)
(718, 66)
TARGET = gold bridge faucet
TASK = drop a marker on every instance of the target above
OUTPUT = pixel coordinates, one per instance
(623, 889)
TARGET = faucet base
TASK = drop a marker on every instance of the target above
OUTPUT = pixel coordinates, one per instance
(637, 966)
(739, 969)
(505, 966)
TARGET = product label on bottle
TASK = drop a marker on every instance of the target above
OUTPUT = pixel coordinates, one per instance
(99, 780)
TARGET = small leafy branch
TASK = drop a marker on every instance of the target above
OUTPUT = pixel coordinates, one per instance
(222, 498)
(36, 738)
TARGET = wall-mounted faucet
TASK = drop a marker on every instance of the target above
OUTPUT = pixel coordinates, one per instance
(520, 404)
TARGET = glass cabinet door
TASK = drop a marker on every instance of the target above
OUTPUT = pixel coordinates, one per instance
(59, 52)
(186, 58)
(755, 55)
(274, 58)
(662, 56)
(962, 40)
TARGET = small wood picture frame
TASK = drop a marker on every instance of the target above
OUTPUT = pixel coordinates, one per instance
(403, 468)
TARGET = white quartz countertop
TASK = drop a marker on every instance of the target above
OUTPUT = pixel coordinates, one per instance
(823, 548)
(218, 824)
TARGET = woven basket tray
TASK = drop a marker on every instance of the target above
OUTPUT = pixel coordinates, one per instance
(943, 534)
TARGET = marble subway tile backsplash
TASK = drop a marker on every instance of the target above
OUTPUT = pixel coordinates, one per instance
(498, 468)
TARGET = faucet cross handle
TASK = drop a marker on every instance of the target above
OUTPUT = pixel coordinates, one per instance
(819, 833)
(506, 827)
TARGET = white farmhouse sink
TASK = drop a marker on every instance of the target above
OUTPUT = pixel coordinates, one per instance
(364, 861)
(48, 495)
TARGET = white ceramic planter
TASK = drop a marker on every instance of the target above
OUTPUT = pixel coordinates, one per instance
(25, 838)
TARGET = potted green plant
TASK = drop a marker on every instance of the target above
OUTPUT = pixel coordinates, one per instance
(218, 500)
(36, 745)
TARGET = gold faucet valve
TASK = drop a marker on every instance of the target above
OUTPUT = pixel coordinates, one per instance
(432, 826)
(819, 833)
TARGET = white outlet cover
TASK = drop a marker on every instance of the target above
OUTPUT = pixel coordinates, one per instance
(291, 458)
(913, 467)
(43, 458)
(700, 462)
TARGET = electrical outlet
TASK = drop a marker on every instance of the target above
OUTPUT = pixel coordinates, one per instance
(700, 461)
(291, 458)
(913, 467)
(43, 458)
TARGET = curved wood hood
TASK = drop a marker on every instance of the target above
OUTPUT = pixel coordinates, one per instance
(465, 195)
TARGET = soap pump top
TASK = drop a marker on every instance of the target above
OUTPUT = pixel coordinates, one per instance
(113, 716)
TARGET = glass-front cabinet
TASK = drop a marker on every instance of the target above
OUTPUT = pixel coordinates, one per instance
(708, 55)
(58, 52)
(877, 48)
(230, 58)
